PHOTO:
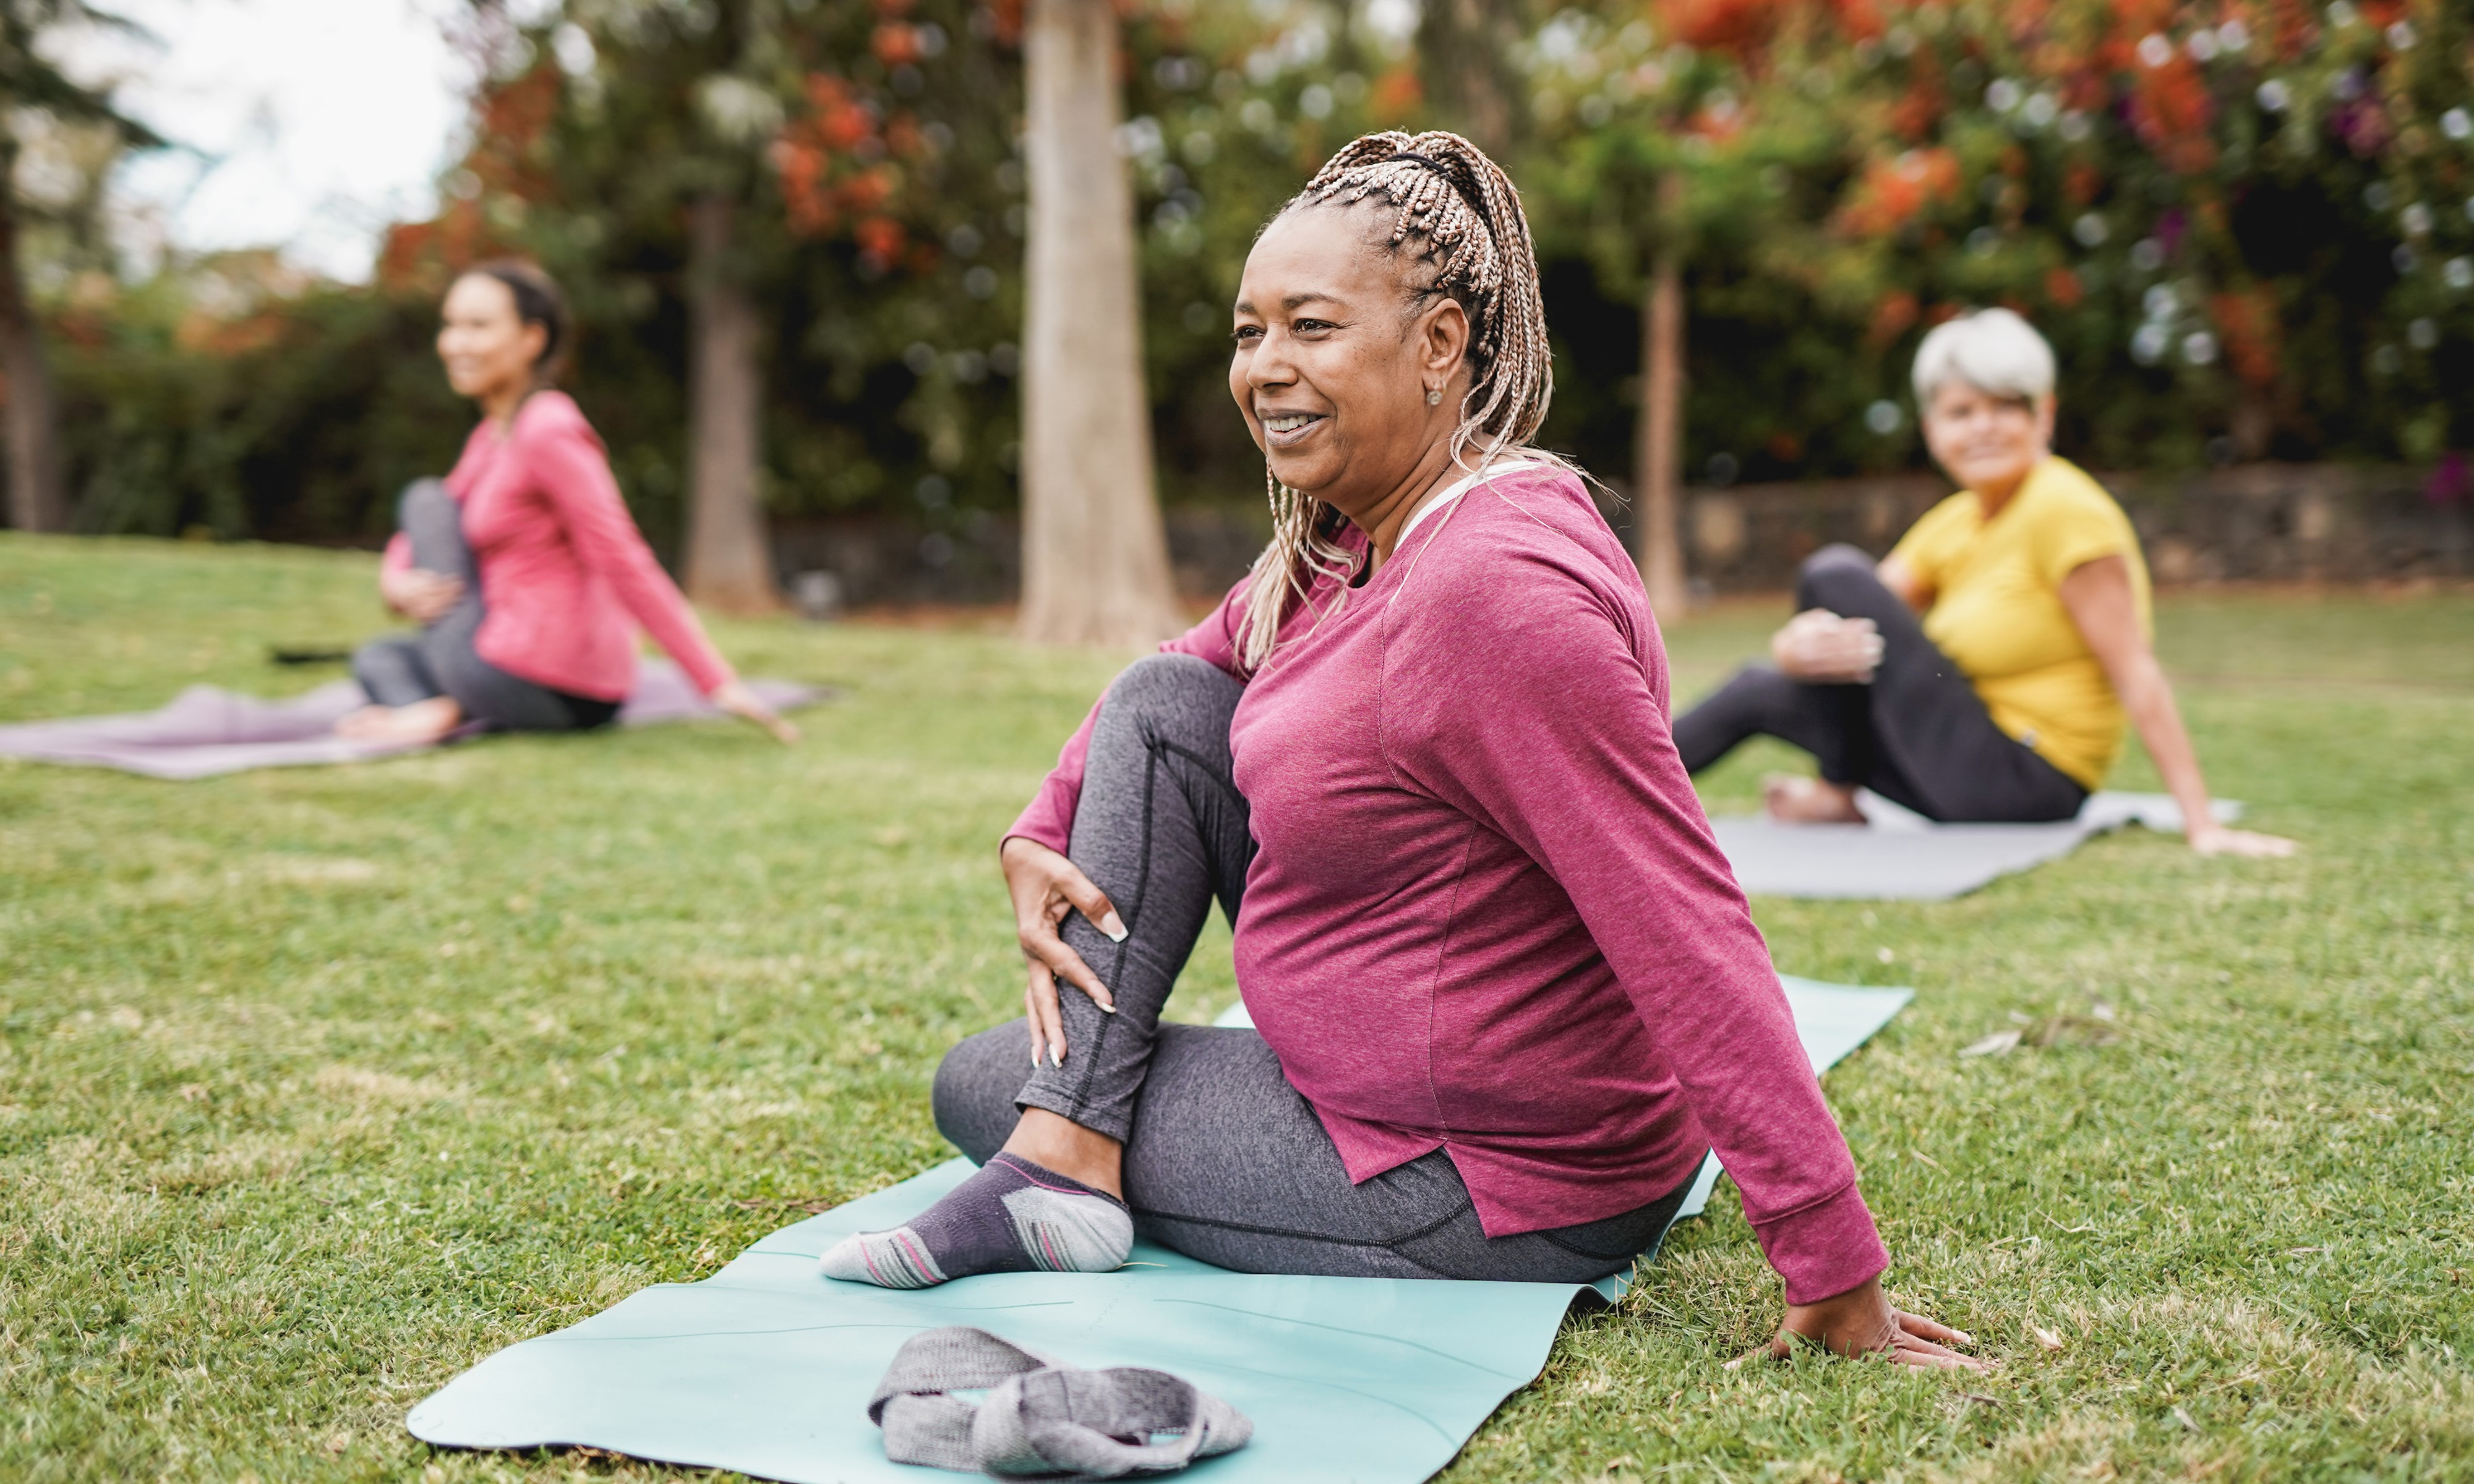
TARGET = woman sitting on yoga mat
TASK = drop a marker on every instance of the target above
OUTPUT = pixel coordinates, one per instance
(1508, 994)
(2005, 701)
(526, 571)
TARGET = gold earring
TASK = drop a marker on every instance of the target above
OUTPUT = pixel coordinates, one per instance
(1434, 397)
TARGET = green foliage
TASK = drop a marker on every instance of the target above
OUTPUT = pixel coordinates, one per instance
(31, 76)
(318, 1085)
(884, 228)
(879, 225)
(2247, 240)
(296, 422)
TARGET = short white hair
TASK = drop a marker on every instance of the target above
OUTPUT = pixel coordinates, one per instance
(1992, 350)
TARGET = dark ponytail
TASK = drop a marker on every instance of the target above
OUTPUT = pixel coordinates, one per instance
(538, 301)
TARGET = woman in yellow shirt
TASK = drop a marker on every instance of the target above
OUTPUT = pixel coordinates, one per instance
(1984, 669)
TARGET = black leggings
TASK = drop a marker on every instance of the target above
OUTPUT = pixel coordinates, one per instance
(440, 660)
(1225, 1161)
(1917, 735)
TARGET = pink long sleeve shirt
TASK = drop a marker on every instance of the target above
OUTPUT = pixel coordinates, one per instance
(1488, 914)
(565, 576)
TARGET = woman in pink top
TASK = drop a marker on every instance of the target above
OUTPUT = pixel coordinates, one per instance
(524, 567)
(1508, 994)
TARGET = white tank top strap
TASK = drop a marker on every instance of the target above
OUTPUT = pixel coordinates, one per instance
(1462, 486)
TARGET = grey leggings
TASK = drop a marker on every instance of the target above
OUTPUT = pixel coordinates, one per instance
(441, 660)
(1917, 735)
(1225, 1161)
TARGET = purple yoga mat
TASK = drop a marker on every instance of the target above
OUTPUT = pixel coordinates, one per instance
(209, 731)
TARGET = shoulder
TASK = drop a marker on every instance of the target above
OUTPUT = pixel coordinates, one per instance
(1523, 605)
(1950, 512)
(2068, 496)
(1519, 552)
(1522, 521)
(1544, 507)
(552, 417)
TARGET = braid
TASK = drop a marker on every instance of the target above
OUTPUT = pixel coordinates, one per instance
(1456, 215)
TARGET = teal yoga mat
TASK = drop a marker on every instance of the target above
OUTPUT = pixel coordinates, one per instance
(765, 1367)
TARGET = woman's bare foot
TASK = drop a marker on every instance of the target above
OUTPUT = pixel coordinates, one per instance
(422, 721)
(1799, 801)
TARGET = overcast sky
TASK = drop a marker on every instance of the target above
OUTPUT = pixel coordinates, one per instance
(310, 124)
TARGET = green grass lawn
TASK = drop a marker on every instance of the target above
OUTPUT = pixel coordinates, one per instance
(316, 1086)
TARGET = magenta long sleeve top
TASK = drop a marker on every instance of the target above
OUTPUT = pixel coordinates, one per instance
(1488, 914)
(566, 577)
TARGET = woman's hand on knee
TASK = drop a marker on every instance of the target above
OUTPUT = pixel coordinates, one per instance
(1045, 887)
(1819, 647)
(418, 594)
(1860, 1323)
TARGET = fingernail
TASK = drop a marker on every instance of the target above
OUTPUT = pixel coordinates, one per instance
(1964, 1338)
(1114, 926)
(1058, 1054)
(1104, 1007)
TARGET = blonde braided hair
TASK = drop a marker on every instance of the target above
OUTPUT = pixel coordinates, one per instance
(1457, 218)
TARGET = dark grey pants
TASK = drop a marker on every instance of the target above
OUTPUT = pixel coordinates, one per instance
(1917, 735)
(1225, 1161)
(441, 660)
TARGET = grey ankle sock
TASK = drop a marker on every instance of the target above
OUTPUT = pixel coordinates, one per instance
(1012, 1216)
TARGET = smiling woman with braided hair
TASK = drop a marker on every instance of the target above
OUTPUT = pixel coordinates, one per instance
(1508, 992)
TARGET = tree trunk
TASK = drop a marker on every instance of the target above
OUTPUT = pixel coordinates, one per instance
(729, 556)
(37, 493)
(1094, 552)
(1464, 65)
(1659, 450)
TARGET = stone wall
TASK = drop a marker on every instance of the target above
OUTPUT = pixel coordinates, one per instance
(2277, 522)
(877, 563)
(2258, 522)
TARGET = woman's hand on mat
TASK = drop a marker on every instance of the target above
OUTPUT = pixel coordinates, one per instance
(1045, 887)
(1818, 646)
(1861, 1323)
(2214, 839)
(744, 702)
(418, 594)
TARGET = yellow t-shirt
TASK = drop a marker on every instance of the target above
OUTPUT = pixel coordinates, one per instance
(1997, 609)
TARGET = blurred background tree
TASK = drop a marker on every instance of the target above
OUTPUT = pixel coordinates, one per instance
(76, 133)
(2244, 223)
(1094, 553)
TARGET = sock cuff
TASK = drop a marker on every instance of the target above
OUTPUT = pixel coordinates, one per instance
(1041, 1175)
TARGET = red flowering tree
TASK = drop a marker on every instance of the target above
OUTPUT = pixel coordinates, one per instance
(2244, 223)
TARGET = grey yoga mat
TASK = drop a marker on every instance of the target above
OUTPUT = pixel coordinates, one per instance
(208, 731)
(1901, 856)
(768, 1367)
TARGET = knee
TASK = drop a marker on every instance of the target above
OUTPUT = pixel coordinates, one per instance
(1160, 681)
(1833, 572)
(1172, 695)
(376, 656)
(975, 1088)
(1758, 685)
(1748, 699)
